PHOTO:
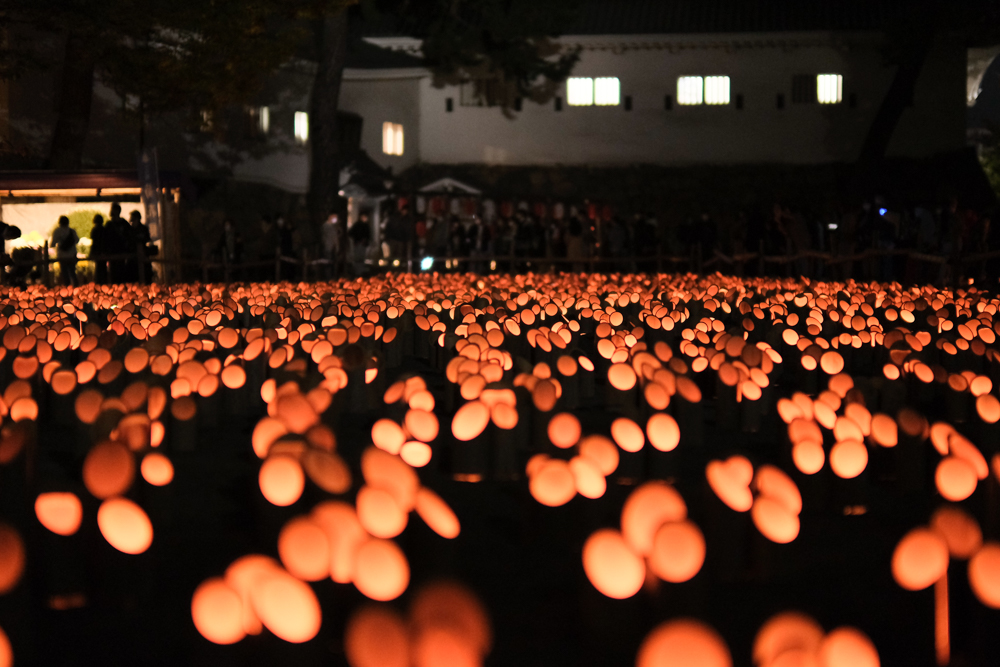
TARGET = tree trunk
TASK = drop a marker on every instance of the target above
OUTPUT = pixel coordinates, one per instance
(325, 158)
(76, 92)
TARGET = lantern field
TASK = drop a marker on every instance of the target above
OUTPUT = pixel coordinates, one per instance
(401, 467)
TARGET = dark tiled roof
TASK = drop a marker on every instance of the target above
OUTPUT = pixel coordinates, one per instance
(633, 17)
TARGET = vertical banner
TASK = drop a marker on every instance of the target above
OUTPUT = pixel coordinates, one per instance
(149, 185)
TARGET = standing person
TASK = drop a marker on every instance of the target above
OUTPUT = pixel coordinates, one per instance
(230, 246)
(138, 239)
(330, 238)
(117, 234)
(265, 243)
(65, 240)
(360, 233)
(97, 249)
(287, 244)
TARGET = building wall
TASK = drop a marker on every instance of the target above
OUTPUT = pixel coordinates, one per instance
(760, 68)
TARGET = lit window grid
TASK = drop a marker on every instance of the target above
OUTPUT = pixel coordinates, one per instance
(301, 127)
(580, 91)
(392, 138)
(690, 90)
(829, 88)
(716, 90)
(607, 91)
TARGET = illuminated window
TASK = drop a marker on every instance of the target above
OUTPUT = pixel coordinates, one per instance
(716, 90)
(829, 88)
(603, 91)
(392, 138)
(263, 119)
(579, 91)
(690, 90)
(301, 127)
(607, 91)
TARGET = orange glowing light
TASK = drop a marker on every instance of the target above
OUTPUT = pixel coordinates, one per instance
(380, 513)
(450, 612)
(847, 647)
(773, 483)
(808, 457)
(304, 549)
(327, 471)
(125, 525)
(646, 509)
(627, 434)
(345, 534)
(157, 469)
(678, 551)
(217, 612)
(920, 559)
(730, 480)
(470, 420)
(60, 512)
(564, 430)
(381, 571)
(774, 520)
(421, 424)
(286, 606)
(984, 575)
(437, 514)
(955, 478)
(961, 532)
(281, 480)
(590, 483)
(377, 637)
(848, 459)
(12, 558)
(416, 454)
(785, 632)
(552, 484)
(683, 643)
(601, 451)
(108, 469)
(663, 432)
(611, 566)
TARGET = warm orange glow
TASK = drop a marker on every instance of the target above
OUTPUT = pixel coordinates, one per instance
(884, 430)
(961, 447)
(381, 571)
(6, 652)
(108, 470)
(730, 480)
(60, 512)
(437, 514)
(847, 647)
(678, 551)
(848, 459)
(12, 558)
(281, 480)
(627, 434)
(831, 362)
(125, 525)
(421, 424)
(416, 454)
(984, 575)
(564, 430)
(785, 632)
(470, 420)
(772, 482)
(450, 626)
(345, 535)
(380, 513)
(960, 531)
(286, 606)
(327, 471)
(808, 457)
(553, 483)
(955, 478)
(683, 643)
(392, 474)
(663, 432)
(601, 451)
(242, 575)
(157, 469)
(920, 559)
(590, 483)
(612, 567)
(988, 408)
(621, 377)
(388, 435)
(304, 549)
(646, 509)
(774, 520)
(377, 637)
(217, 612)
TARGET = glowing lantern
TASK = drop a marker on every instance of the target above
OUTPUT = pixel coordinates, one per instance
(392, 474)
(281, 480)
(327, 471)
(304, 549)
(678, 551)
(233, 376)
(663, 432)
(416, 454)
(381, 571)
(345, 534)
(612, 567)
(108, 470)
(265, 433)
(242, 575)
(564, 430)
(449, 609)
(377, 637)
(217, 612)
(848, 459)
(774, 520)
(125, 525)
(157, 469)
(380, 513)
(63, 382)
(12, 558)
(387, 435)
(553, 483)
(730, 480)
(421, 424)
(646, 509)
(470, 420)
(436, 514)
(6, 652)
(621, 376)
(60, 512)
(884, 430)
(601, 451)
(808, 457)
(920, 559)
(961, 532)
(847, 647)
(961, 447)
(683, 643)
(955, 478)
(286, 606)
(984, 575)
(590, 483)
(627, 434)
(784, 632)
